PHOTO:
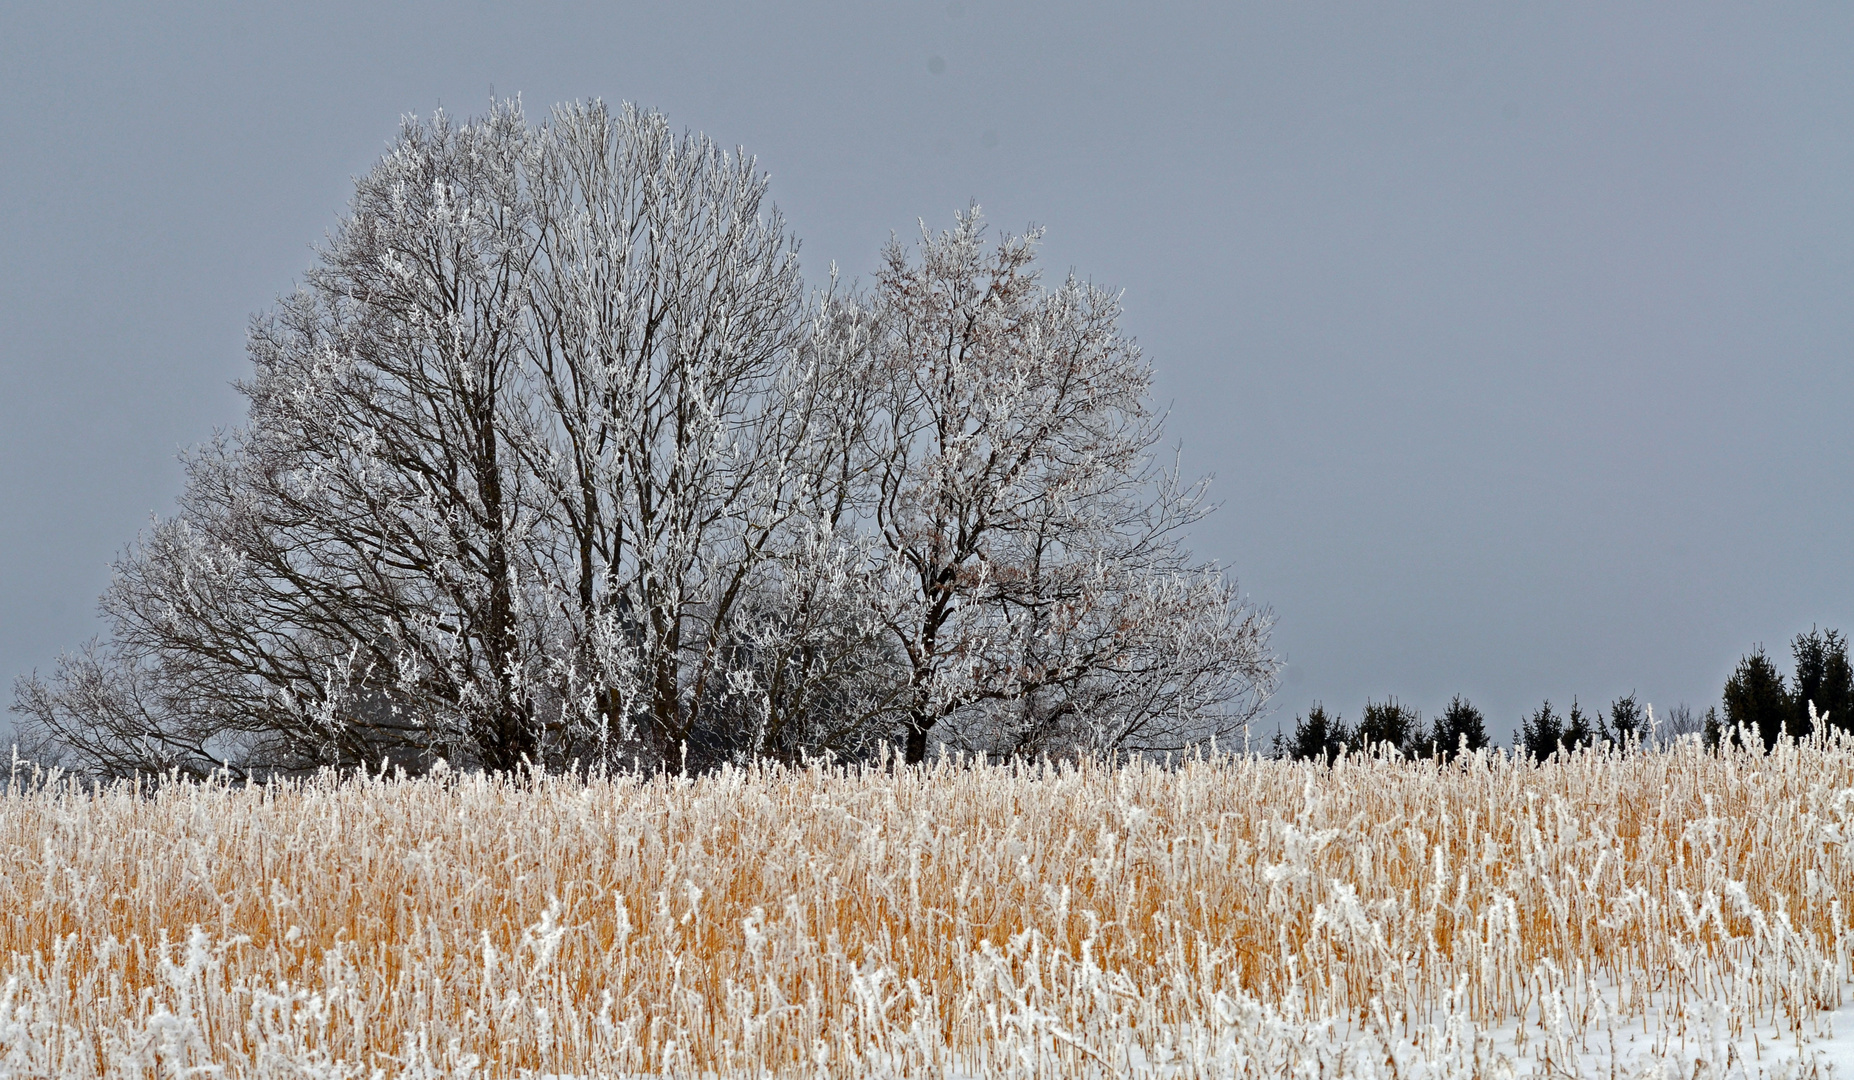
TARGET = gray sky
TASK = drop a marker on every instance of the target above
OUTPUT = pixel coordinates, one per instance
(1517, 336)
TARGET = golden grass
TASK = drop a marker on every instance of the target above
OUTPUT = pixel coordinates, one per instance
(1221, 917)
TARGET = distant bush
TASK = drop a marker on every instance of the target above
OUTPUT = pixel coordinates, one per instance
(1678, 721)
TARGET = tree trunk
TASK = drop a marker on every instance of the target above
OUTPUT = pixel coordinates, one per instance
(917, 741)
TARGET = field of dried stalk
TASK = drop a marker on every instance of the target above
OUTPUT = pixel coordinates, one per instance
(1223, 917)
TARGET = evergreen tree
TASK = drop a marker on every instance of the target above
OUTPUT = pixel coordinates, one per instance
(1581, 729)
(1824, 678)
(1757, 700)
(1319, 737)
(1626, 721)
(1540, 733)
(1460, 725)
(1389, 722)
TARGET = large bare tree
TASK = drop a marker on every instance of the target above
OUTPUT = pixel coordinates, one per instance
(678, 402)
(341, 581)
(551, 458)
(519, 455)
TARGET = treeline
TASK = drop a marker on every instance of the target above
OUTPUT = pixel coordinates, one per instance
(1758, 703)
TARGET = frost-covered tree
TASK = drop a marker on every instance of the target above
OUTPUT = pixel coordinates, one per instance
(1678, 723)
(520, 454)
(342, 581)
(1028, 540)
(678, 416)
(550, 458)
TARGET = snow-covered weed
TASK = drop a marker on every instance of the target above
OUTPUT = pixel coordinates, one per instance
(1677, 914)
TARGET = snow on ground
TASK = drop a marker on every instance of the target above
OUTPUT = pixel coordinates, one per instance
(1703, 1040)
(1566, 1035)
(1705, 1046)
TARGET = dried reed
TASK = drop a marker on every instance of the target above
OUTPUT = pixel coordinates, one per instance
(1222, 916)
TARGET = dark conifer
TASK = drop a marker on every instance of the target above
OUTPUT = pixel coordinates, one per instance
(1627, 721)
(1581, 729)
(1461, 726)
(1540, 733)
(1318, 737)
(1757, 700)
(1388, 722)
(1824, 678)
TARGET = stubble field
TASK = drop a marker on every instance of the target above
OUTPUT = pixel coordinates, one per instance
(1677, 913)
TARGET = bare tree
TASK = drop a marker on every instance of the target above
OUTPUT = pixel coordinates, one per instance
(1680, 722)
(340, 580)
(519, 454)
(550, 457)
(673, 390)
(1032, 569)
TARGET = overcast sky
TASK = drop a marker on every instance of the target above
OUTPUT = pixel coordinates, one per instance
(1517, 336)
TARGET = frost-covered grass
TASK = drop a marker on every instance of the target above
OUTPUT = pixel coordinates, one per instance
(1672, 914)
